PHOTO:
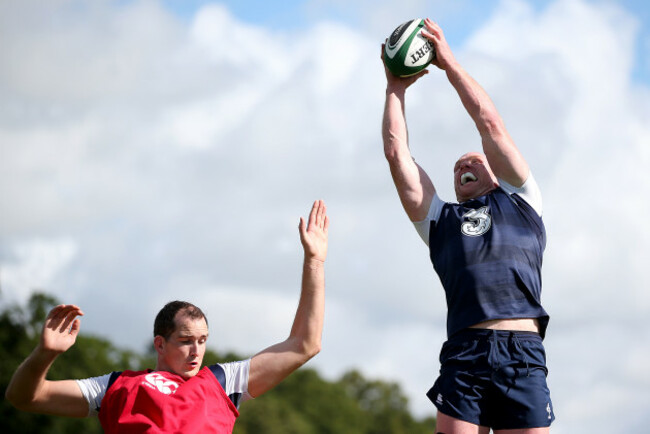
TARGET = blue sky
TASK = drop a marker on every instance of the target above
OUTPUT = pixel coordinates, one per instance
(139, 151)
(458, 17)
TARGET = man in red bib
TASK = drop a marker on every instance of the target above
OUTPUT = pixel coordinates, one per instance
(179, 395)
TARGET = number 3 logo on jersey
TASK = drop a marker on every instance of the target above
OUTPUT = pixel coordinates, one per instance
(478, 224)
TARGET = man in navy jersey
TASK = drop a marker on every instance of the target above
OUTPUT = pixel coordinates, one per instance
(487, 250)
(194, 399)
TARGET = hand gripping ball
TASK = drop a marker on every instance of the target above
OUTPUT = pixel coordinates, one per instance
(407, 52)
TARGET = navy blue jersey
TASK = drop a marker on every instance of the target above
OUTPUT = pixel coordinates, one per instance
(488, 255)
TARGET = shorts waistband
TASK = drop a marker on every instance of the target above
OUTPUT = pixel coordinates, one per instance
(472, 333)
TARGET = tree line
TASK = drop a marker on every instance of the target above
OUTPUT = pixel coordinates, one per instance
(304, 403)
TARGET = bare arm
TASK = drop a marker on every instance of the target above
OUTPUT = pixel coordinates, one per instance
(28, 389)
(504, 158)
(272, 365)
(414, 186)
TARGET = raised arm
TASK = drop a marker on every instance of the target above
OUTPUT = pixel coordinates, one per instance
(504, 158)
(272, 365)
(28, 389)
(414, 186)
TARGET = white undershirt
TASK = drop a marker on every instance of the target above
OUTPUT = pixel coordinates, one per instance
(94, 388)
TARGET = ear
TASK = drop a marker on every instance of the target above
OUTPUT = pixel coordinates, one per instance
(159, 344)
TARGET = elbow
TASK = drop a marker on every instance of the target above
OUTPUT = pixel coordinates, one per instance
(394, 145)
(11, 398)
(313, 350)
(397, 156)
(21, 400)
(391, 154)
(19, 404)
(308, 350)
(389, 146)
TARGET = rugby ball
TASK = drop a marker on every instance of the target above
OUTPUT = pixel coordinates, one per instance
(407, 52)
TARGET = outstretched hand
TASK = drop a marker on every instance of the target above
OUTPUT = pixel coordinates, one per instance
(61, 328)
(394, 80)
(313, 233)
(444, 57)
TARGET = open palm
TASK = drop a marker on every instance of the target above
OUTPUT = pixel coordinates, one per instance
(61, 328)
(313, 233)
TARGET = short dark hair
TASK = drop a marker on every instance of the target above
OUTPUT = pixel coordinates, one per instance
(164, 324)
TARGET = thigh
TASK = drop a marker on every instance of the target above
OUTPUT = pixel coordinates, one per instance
(446, 424)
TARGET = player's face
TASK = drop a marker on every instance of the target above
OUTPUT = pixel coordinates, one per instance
(183, 352)
(473, 177)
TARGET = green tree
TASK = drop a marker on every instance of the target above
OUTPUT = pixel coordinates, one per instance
(15, 345)
(306, 400)
(304, 403)
(385, 405)
(90, 356)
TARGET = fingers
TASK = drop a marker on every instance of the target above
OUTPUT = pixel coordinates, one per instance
(317, 220)
(76, 326)
(432, 30)
(313, 233)
(60, 312)
(62, 316)
(301, 228)
(317, 215)
(420, 74)
(321, 214)
(67, 322)
(431, 25)
(312, 214)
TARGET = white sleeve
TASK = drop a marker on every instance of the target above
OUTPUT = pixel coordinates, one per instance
(93, 389)
(237, 378)
(529, 192)
(423, 226)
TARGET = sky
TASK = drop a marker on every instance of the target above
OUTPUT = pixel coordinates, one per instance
(153, 150)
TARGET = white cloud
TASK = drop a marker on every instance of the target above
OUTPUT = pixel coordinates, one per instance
(159, 159)
(36, 265)
(261, 316)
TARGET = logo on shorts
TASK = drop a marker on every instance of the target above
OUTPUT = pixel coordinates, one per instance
(548, 409)
(159, 382)
(478, 224)
(439, 399)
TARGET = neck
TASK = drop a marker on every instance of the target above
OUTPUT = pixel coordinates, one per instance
(462, 199)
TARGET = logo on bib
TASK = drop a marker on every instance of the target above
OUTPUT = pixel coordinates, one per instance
(478, 224)
(159, 382)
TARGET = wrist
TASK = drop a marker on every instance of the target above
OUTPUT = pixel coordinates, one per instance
(453, 68)
(397, 89)
(313, 262)
(44, 353)
(42, 358)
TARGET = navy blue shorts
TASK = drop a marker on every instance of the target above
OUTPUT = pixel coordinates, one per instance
(494, 378)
